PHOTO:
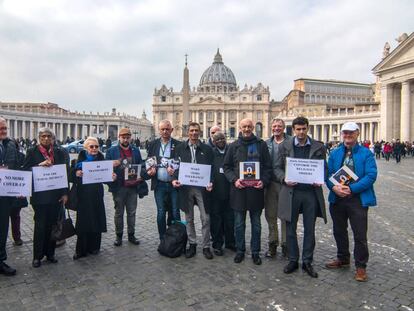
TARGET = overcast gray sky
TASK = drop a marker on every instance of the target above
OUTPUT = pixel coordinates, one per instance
(95, 55)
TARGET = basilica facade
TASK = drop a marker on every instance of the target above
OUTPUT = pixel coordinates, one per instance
(383, 110)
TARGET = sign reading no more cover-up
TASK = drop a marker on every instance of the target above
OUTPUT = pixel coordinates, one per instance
(15, 183)
(192, 174)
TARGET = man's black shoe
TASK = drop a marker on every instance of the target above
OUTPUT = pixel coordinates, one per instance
(256, 259)
(118, 241)
(133, 240)
(191, 251)
(36, 263)
(290, 267)
(207, 253)
(218, 251)
(307, 267)
(52, 259)
(239, 258)
(6, 269)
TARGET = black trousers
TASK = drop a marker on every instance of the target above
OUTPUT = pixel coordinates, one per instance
(45, 216)
(222, 224)
(88, 242)
(351, 209)
(303, 202)
(4, 226)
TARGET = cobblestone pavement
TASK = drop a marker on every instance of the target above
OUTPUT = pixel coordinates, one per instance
(138, 278)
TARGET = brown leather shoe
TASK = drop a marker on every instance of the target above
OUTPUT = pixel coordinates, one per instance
(337, 264)
(361, 275)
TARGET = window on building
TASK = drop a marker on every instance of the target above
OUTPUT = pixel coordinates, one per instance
(201, 98)
(259, 97)
(232, 97)
(163, 115)
(210, 116)
(232, 132)
(259, 115)
(200, 117)
(177, 99)
(244, 98)
(219, 98)
(163, 98)
(232, 115)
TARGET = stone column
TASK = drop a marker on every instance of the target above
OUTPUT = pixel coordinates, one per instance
(405, 112)
(396, 111)
(205, 134)
(363, 131)
(323, 133)
(31, 130)
(15, 129)
(371, 132)
(386, 113)
(330, 132)
(24, 135)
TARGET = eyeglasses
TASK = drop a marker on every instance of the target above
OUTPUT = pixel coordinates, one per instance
(93, 146)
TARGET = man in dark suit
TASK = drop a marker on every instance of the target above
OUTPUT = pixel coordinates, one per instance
(161, 176)
(296, 198)
(8, 159)
(194, 151)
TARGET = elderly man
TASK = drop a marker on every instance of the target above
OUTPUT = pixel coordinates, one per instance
(273, 190)
(351, 201)
(125, 195)
(161, 176)
(296, 198)
(8, 159)
(213, 130)
(221, 216)
(243, 198)
(194, 151)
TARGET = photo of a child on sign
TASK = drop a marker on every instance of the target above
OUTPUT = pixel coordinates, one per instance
(249, 171)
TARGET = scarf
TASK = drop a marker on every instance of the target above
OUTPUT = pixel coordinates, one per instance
(251, 144)
(47, 154)
(89, 158)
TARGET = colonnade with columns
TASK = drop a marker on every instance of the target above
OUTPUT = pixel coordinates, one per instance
(326, 132)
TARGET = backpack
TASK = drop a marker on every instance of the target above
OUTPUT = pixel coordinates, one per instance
(174, 242)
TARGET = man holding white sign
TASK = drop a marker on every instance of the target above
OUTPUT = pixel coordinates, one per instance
(301, 195)
(195, 186)
(8, 160)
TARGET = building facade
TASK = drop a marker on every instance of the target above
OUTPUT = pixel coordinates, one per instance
(216, 100)
(25, 119)
(395, 85)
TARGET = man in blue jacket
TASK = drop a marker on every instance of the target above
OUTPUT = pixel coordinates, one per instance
(125, 194)
(351, 202)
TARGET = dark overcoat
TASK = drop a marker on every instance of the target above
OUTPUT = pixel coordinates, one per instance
(90, 215)
(33, 158)
(248, 198)
(317, 152)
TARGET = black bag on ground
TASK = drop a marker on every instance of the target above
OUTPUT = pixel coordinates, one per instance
(174, 242)
(63, 229)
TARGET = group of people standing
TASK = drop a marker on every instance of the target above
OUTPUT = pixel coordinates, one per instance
(223, 204)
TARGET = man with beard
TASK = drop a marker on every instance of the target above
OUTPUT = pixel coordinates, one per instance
(125, 196)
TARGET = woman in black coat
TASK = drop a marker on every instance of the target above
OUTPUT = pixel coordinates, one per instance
(91, 218)
(46, 204)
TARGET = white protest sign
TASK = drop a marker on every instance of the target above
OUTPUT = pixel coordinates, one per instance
(97, 171)
(305, 171)
(49, 178)
(15, 183)
(192, 174)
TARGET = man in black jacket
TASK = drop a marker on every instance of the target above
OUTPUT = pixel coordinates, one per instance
(161, 176)
(221, 216)
(194, 151)
(8, 159)
(244, 197)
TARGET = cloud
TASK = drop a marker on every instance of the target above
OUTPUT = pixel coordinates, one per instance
(113, 53)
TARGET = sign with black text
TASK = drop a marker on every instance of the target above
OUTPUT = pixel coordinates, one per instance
(305, 171)
(15, 183)
(97, 172)
(49, 177)
(192, 174)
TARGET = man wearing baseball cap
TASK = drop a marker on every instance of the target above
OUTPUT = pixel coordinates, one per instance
(351, 202)
(125, 195)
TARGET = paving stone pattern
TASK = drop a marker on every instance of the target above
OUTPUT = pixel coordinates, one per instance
(138, 278)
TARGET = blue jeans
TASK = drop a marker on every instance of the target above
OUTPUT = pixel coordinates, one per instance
(240, 229)
(165, 196)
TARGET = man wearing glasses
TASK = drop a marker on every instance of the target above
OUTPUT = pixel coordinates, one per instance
(351, 201)
(161, 176)
(124, 195)
(8, 159)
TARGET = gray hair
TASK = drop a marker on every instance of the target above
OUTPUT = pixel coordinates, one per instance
(278, 120)
(47, 130)
(218, 135)
(88, 140)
